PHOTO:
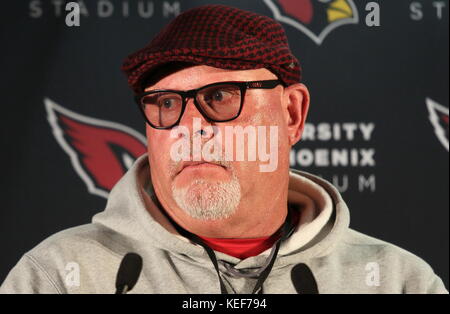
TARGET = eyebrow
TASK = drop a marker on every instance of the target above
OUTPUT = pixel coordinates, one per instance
(201, 86)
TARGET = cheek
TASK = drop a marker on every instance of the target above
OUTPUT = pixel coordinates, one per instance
(262, 110)
(158, 146)
(247, 175)
(269, 113)
(157, 141)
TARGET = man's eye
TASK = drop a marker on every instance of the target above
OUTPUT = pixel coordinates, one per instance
(217, 96)
(167, 103)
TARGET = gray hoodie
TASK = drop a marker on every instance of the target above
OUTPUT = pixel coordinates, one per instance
(85, 259)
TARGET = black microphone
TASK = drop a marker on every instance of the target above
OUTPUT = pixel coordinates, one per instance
(303, 280)
(128, 274)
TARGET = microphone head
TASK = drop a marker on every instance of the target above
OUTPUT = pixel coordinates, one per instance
(129, 271)
(303, 279)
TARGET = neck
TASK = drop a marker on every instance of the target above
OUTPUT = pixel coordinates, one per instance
(255, 221)
(243, 248)
(239, 226)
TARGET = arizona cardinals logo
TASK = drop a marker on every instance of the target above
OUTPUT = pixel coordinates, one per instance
(438, 116)
(315, 18)
(100, 151)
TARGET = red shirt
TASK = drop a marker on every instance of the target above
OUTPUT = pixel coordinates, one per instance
(243, 248)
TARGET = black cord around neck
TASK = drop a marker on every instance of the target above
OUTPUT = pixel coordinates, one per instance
(286, 230)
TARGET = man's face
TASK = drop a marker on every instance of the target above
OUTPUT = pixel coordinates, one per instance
(224, 189)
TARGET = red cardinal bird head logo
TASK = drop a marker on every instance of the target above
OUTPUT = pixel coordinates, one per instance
(315, 18)
(100, 151)
(438, 116)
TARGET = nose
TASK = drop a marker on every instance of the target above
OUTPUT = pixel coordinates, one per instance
(195, 122)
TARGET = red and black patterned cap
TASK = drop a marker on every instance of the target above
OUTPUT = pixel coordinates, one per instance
(218, 36)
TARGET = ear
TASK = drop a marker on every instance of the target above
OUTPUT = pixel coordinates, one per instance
(296, 104)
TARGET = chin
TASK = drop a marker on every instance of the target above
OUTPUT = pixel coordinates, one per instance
(206, 200)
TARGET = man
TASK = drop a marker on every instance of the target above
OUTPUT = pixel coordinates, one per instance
(215, 83)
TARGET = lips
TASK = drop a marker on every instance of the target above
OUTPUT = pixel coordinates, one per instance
(198, 163)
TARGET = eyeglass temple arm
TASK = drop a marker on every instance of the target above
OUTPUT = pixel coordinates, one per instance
(264, 84)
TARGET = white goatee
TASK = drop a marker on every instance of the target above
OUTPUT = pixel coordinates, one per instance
(206, 200)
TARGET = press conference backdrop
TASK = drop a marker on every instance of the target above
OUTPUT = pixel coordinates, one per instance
(377, 128)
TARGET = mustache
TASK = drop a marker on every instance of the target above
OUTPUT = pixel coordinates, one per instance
(176, 166)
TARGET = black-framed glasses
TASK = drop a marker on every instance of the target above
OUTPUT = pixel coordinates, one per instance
(217, 102)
